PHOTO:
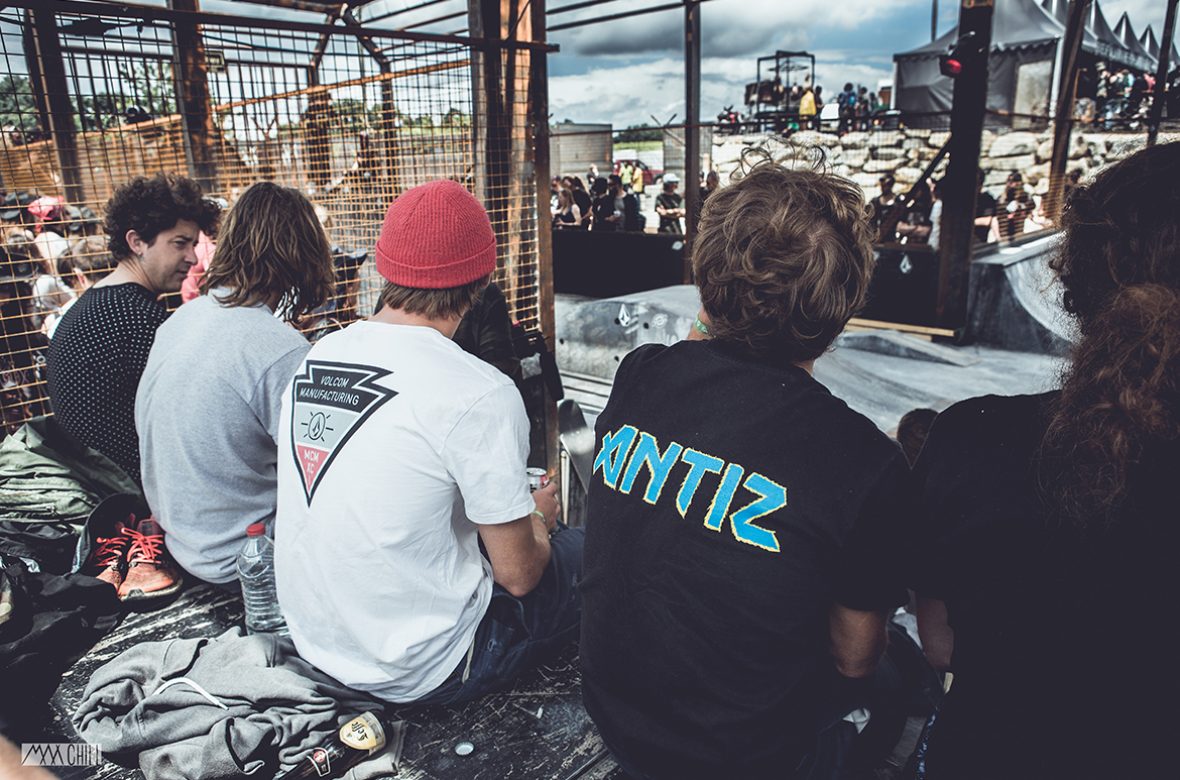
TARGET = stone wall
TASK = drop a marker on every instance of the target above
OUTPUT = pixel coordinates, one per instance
(865, 156)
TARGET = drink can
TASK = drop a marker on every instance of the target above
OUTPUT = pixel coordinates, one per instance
(538, 478)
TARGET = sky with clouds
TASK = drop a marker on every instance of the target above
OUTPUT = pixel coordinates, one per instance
(626, 71)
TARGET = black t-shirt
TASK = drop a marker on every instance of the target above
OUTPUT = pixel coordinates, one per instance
(985, 206)
(732, 503)
(1064, 642)
(96, 358)
(670, 200)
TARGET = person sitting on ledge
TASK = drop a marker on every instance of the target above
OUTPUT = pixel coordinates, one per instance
(101, 345)
(208, 428)
(743, 550)
(399, 454)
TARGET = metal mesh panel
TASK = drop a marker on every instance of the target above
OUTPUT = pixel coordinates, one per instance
(350, 120)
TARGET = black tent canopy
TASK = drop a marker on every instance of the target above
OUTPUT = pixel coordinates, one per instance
(1025, 38)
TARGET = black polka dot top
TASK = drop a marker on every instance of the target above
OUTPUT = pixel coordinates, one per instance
(96, 358)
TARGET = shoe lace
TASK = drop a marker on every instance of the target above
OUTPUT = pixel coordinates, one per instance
(145, 548)
(109, 550)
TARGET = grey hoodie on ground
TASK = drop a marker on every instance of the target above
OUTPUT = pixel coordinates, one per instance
(199, 709)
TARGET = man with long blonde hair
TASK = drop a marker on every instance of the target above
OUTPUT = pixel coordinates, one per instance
(207, 409)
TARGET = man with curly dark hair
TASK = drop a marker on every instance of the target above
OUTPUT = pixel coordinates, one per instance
(101, 345)
(740, 564)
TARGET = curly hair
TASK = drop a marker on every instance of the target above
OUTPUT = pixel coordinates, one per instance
(783, 259)
(151, 206)
(1121, 394)
(272, 246)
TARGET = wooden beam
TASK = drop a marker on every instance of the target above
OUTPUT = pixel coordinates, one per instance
(1161, 75)
(960, 186)
(921, 330)
(192, 96)
(55, 91)
(36, 82)
(1063, 116)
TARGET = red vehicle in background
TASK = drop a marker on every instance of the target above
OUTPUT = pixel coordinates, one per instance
(651, 176)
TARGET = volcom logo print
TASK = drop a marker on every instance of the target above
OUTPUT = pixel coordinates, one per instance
(329, 402)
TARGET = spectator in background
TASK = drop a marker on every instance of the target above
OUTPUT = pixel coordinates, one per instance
(583, 201)
(881, 207)
(847, 105)
(625, 174)
(819, 107)
(912, 431)
(914, 227)
(568, 216)
(22, 345)
(1014, 208)
(592, 174)
(604, 217)
(985, 215)
(712, 182)
(209, 437)
(935, 214)
(807, 108)
(862, 108)
(637, 180)
(85, 263)
(670, 206)
(101, 344)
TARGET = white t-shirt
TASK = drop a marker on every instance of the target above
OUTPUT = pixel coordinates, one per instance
(393, 444)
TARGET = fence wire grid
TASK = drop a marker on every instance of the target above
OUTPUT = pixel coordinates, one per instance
(90, 101)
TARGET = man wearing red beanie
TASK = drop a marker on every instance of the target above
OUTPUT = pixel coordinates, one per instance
(399, 454)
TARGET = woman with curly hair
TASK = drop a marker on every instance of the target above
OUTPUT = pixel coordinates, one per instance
(1046, 566)
(208, 405)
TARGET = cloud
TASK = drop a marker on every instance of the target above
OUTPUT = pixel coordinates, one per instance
(628, 94)
(733, 27)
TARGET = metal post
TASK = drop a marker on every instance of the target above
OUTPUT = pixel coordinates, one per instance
(960, 185)
(1161, 75)
(539, 117)
(54, 91)
(1071, 44)
(692, 126)
(192, 96)
(933, 21)
(35, 79)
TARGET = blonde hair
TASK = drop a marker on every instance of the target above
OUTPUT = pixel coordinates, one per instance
(272, 244)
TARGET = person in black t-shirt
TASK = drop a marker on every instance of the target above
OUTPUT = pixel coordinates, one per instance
(101, 345)
(986, 228)
(670, 206)
(741, 556)
(1047, 538)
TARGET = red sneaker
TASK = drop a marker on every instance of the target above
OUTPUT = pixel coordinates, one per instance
(108, 561)
(150, 571)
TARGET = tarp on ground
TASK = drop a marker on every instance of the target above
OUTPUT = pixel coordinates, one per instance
(1023, 32)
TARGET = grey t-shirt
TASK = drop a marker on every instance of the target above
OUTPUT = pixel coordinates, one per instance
(207, 412)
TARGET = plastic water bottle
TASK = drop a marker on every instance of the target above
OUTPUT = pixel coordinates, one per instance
(256, 572)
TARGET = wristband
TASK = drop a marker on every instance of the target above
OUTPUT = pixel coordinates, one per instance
(699, 326)
(541, 515)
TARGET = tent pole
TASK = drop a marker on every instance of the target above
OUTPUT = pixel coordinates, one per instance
(1161, 76)
(960, 186)
(1071, 44)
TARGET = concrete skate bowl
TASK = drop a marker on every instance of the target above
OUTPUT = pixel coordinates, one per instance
(1015, 301)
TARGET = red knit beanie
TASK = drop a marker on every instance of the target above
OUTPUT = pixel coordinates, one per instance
(436, 236)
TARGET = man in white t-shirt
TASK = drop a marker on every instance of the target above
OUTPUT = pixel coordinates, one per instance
(399, 454)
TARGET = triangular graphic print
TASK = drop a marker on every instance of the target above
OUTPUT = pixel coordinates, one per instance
(329, 402)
